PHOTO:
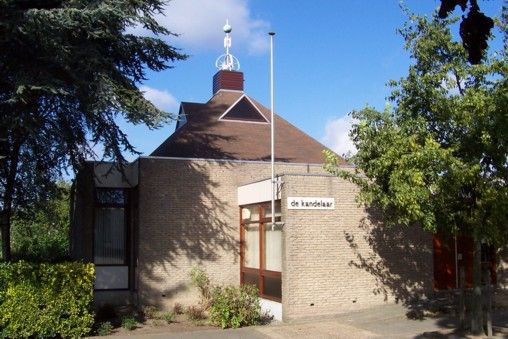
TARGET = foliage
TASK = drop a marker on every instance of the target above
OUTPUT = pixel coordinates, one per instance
(150, 311)
(168, 317)
(70, 69)
(105, 328)
(200, 279)
(129, 323)
(234, 307)
(178, 308)
(438, 157)
(41, 233)
(229, 306)
(45, 300)
(195, 313)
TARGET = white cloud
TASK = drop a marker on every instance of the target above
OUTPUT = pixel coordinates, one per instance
(162, 99)
(200, 22)
(337, 135)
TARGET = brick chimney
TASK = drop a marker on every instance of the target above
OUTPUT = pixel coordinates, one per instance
(225, 79)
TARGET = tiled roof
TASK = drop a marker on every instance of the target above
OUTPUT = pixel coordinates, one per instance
(206, 135)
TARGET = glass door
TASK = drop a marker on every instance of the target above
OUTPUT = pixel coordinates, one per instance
(261, 249)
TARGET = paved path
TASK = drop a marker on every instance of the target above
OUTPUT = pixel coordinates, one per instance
(388, 321)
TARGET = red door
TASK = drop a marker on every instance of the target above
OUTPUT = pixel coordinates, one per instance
(452, 254)
(444, 263)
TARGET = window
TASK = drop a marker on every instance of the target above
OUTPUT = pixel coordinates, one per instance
(109, 236)
(110, 233)
(261, 249)
(111, 196)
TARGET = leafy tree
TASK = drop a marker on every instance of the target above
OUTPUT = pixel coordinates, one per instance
(68, 69)
(439, 157)
(41, 232)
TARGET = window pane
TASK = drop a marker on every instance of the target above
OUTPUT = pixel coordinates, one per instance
(268, 209)
(111, 277)
(251, 278)
(251, 246)
(250, 213)
(109, 242)
(273, 247)
(111, 196)
(273, 287)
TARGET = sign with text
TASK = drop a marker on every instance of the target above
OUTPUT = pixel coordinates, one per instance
(311, 203)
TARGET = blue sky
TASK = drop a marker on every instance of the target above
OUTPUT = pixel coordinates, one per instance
(330, 58)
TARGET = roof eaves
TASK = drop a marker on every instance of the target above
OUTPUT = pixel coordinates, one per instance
(168, 140)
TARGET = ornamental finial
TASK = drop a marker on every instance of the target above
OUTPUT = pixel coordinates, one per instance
(227, 61)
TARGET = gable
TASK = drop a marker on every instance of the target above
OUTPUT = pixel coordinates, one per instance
(244, 110)
(182, 118)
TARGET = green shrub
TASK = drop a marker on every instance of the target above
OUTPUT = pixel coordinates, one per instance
(129, 323)
(168, 317)
(195, 313)
(235, 307)
(178, 308)
(40, 233)
(104, 328)
(150, 312)
(46, 300)
(200, 279)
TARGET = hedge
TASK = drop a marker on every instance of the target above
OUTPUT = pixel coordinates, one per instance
(46, 300)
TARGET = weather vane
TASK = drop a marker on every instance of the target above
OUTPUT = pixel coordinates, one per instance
(227, 61)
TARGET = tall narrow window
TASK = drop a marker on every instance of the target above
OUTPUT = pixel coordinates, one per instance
(251, 246)
(261, 249)
(111, 239)
(109, 236)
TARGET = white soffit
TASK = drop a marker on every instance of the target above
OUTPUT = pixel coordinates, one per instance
(256, 192)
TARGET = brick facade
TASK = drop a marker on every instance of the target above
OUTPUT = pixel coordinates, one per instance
(188, 216)
(343, 259)
(335, 261)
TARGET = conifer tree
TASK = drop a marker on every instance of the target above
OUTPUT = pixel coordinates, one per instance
(68, 69)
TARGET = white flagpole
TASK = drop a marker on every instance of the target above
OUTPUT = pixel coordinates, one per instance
(272, 129)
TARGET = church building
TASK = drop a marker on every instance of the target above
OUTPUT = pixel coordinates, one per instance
(203, 199)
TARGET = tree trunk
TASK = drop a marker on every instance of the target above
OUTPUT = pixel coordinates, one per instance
(6, 235)
(462, 298)
(6, 213)
(477, 314)
(488, 307)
